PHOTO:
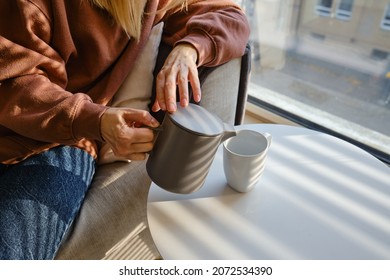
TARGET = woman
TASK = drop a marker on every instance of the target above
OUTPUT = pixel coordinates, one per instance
(61, 62)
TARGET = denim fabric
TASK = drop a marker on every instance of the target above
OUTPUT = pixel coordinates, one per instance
(39, 199)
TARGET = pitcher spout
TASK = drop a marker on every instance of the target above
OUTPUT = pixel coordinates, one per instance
(229, 131)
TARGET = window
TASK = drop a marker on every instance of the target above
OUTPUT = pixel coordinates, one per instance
(385, 24)
(344, 10)
(323, 72)
(324, 7)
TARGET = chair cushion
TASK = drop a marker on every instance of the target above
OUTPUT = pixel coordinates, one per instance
(136, 90)
(112, 222)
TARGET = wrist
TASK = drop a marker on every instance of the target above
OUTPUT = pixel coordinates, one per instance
(189, 49)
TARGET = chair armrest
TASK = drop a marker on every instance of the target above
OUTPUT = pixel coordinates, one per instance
(224, 87)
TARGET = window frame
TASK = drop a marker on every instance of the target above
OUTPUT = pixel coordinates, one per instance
(385, 22)
(322, 9)
(342, 13)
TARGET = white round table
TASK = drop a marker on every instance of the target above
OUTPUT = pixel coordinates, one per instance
(319, 198)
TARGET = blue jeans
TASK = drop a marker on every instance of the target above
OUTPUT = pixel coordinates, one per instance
(39, 199)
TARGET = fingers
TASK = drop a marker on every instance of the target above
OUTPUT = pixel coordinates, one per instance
(121, 129)
(133, 143)
(182, 81)
(167, 82)
(134, 151)
(166, 90)
(195, 85)
(138, 118)
(179, 71)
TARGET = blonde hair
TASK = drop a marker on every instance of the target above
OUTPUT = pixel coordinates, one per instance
(129, 13)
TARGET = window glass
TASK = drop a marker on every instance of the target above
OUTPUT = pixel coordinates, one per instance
(346, 5)
(386, 19)
(344, 11)
(324, 7)
(321, 71)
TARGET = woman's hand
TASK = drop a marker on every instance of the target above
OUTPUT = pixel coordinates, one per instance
(179, 69)
(122, 129)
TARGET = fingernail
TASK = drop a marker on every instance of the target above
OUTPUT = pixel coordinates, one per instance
(172, 107)
(184, 102)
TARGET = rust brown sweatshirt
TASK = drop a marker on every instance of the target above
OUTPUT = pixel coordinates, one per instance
(61, 61)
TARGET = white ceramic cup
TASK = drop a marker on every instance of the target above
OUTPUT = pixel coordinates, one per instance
(244, 158)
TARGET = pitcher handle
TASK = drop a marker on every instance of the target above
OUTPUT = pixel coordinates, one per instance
(229, 131)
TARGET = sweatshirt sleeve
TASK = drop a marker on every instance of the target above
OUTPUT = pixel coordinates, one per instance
(218, 29)
(33, 99)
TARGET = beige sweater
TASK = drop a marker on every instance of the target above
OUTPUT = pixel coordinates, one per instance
(62, 61)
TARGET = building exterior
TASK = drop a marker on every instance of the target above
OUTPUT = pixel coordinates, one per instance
(357, 29)
(355, 33)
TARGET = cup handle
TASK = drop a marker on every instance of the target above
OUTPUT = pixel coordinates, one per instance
(269, 138)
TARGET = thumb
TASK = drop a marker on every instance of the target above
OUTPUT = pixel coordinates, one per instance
(140, 118)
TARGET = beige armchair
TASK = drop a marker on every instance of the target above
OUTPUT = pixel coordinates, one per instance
(112, 223)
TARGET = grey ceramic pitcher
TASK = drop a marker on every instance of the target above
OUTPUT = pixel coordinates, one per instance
(185, 148)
